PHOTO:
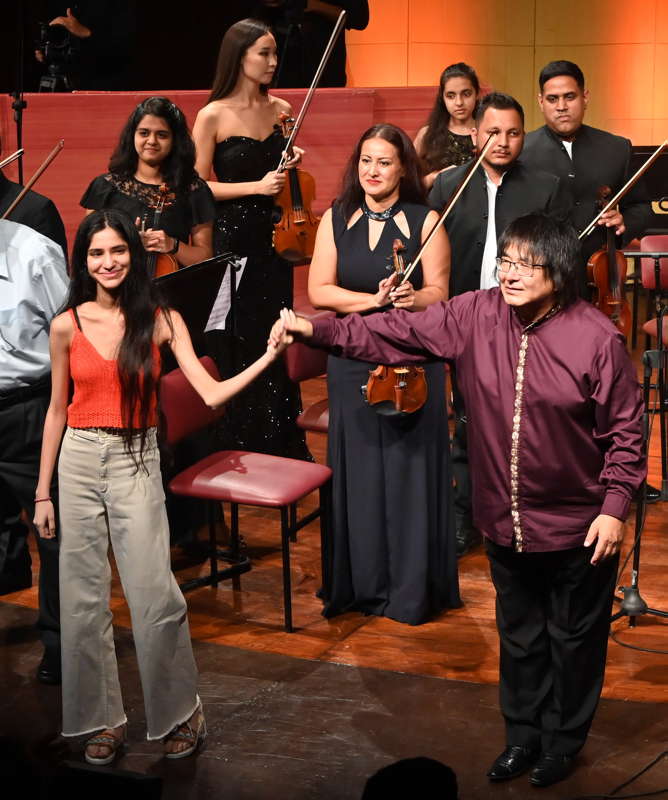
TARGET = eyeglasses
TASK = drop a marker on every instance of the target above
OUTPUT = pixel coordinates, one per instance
(524, 270)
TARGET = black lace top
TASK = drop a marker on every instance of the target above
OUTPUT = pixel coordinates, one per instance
(458, 150)
(178, 216)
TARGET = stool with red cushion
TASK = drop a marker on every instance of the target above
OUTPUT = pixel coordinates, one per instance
(302, 363)
(242, 478)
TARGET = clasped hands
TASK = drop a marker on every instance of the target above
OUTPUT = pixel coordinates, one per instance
(613, 219)
(274, 181)
(155, 241)
(400, 296)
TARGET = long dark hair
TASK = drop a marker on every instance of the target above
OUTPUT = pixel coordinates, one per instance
(178, 168)
(139, 302)
(435, 141)
(236, 41)
(411, 189)
(545, 240)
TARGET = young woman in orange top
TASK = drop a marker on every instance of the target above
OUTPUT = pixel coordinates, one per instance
(107, 343)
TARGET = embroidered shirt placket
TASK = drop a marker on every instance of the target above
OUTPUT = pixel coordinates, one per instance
(518, 540)
(518, 535)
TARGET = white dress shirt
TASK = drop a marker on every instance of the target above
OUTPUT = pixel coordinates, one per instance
(488, 266)
(33, 287)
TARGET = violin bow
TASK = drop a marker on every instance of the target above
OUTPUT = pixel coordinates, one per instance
(448, 207)
(11, 158)
(34, 177)
(627, 186)
(338, 27)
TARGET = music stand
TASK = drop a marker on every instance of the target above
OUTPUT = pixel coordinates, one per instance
(192, 292)
(633, 604)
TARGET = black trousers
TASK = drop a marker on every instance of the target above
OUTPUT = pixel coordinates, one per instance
(459, 459)
(21, 426)
(553, 617)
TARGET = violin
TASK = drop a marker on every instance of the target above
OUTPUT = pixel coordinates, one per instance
(606, 269)
(396, 391)
(34, 176)
(294, 232)
(160, 264)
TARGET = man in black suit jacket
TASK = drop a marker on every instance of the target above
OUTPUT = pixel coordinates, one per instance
(518, 190)
(502, 189)
(584, 158)
(35, 211)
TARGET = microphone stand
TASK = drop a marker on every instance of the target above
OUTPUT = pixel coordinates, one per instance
(633, 605)
(18, 103)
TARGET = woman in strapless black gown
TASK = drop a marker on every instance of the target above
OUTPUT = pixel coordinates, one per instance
(237, 137)
(392, 546)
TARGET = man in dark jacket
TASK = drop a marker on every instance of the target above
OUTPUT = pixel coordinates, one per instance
(502, 189)
(35, 211)
(584, 158)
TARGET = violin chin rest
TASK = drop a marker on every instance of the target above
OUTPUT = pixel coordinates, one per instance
(387, 409)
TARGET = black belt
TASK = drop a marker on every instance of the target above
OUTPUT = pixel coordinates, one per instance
(23, 393)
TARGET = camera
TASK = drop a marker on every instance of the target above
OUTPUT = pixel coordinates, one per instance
(55, 43)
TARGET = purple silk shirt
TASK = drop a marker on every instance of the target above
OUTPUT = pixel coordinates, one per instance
(554, 409)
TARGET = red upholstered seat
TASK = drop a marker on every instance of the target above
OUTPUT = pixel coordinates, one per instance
(654, 244)
(253, 479)
(240, 478)
(650, 328)
(303, 362)
(316, 417)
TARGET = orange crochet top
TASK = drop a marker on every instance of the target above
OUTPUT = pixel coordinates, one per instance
(96, 402)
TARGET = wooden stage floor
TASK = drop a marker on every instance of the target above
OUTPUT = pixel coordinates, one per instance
(310, 715)
(460, 644)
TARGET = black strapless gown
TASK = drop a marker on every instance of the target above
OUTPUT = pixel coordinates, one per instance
(262, 417)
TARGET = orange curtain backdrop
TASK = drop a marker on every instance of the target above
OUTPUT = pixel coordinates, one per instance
(622, 47)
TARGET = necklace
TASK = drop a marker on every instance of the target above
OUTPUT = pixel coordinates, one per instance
(381, 216)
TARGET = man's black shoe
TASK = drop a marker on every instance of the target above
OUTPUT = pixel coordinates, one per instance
(48, 670)
(551, 768)
(512, 762)
(652, 494)
(467, 538)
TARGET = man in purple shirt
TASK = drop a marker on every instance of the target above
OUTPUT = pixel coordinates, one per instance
(556, 456)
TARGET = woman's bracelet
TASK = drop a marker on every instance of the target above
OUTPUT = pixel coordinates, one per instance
(42, 499)
(175, 248)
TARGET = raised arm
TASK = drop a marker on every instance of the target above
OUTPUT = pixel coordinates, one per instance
(395, 337)
(214, 393)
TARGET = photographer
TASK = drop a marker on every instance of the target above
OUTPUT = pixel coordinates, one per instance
(297, 22)
(91, 45)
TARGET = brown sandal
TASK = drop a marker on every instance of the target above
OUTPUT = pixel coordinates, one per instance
(192, 737)
(109, 739)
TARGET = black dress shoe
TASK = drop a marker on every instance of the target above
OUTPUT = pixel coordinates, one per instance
(551, 768)
(652, 494)
(467, 539)
(512, 762)
(48, 670)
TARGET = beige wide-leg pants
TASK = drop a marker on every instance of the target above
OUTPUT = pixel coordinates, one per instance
(103, 498)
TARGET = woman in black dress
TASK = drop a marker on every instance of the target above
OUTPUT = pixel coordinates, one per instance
(152, 178)
(445, 141)
(392, 549)
(238, 138)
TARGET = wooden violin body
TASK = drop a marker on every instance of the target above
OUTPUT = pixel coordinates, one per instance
(296, 225)
(164, 264)
(606, 269)
(401, 390)
(609, 295)
(396, 391)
